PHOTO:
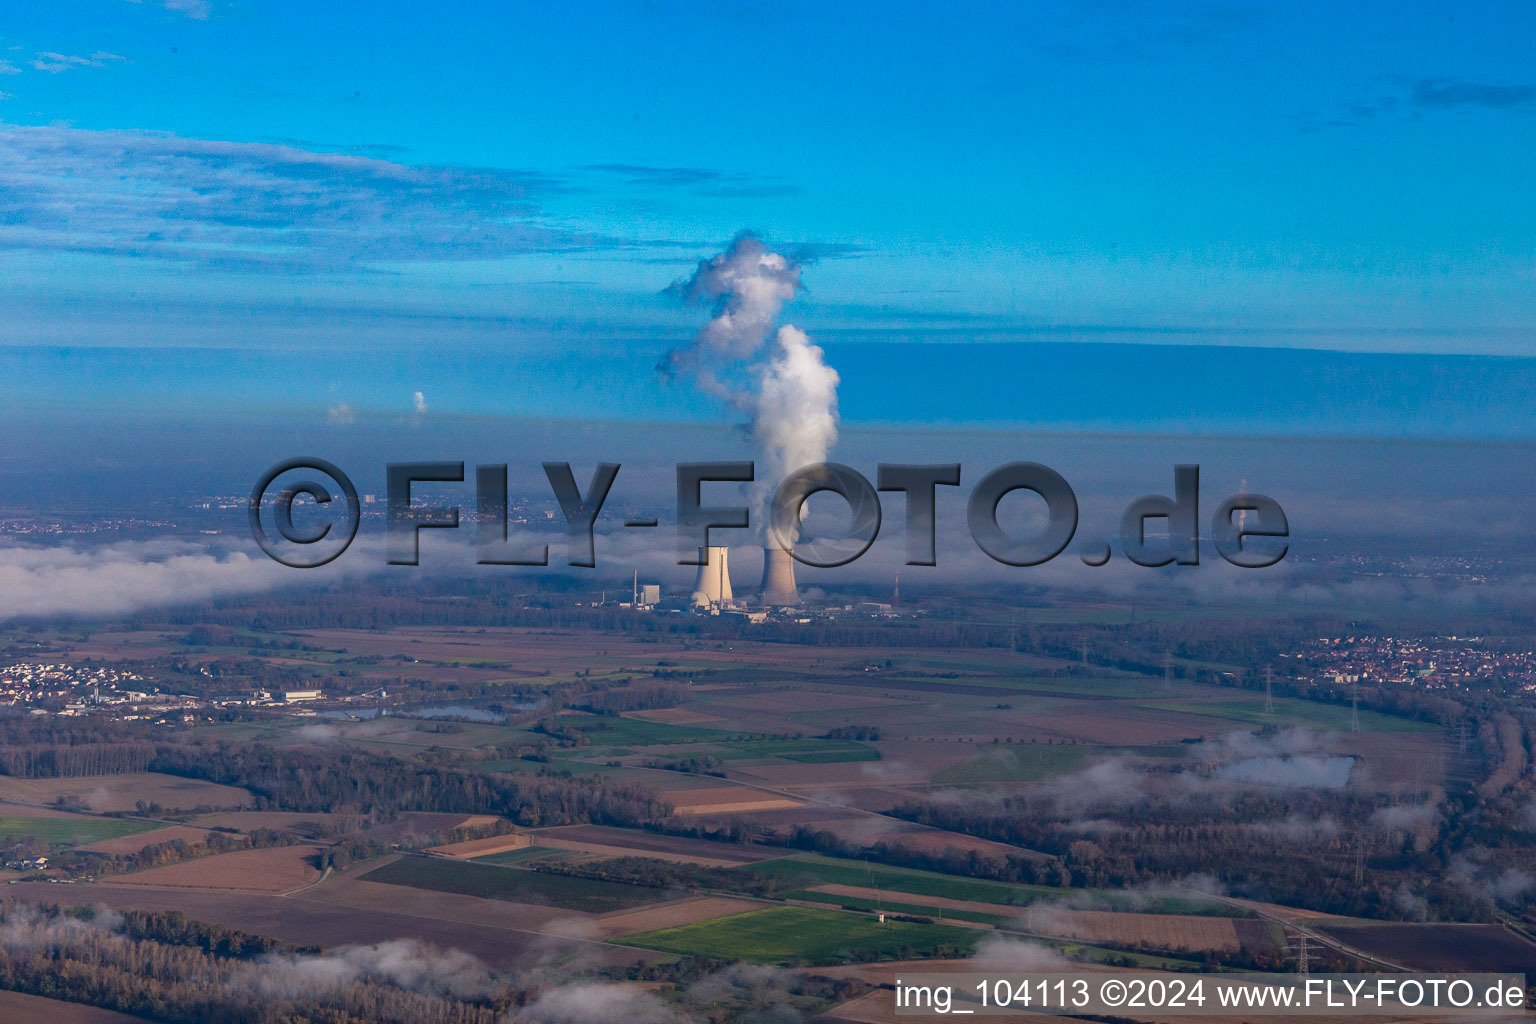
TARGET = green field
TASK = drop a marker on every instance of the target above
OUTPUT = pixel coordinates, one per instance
(68, 831)
(856, 752)
(813, 869)
(914, 909)
(784, 935)
(1032, 762)
(1023, 762)
(809, 751)
(554, 764)
(819, 870)
(557, 763)
(614, 731)
(488, 881)
(1289, 711)
(527, 855)
(1129, 687)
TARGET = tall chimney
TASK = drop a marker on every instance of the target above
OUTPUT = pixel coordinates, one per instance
(779, 577)
(713, 585)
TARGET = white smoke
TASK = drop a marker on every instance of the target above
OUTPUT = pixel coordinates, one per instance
(1297, 828)
(406, 963)
(1410, 904)
(748, 285)
(419, 403)
(796, 421)
(1479, 870)
(1010, 955)
(592, 1002)
(1404, 817)
(776, 376)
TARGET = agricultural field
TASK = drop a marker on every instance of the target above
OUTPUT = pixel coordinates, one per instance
(1331, 717)
(876, 902)
(472, 849)
(1024, 762)
(410, 827)
(117, 793)
(674, 914)
(20, 1008)
(130, 844)
(762, 713)
(619, 842)
(525, 856)
(1176, 932)
(762, 710)
(1441, 947)
(308, 824)
(940, 890)
(831, 871)
(516, 885)
(276, 869)
(672, 716)
(1116, 686)
(68, 830)
(789, 935)
(725, 800)
(305, 920)
(805, 751)
(357, 894)
(609, 731)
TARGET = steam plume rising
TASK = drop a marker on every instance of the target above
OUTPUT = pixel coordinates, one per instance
(775, 375)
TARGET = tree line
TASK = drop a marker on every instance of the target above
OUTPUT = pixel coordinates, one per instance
(321, 780)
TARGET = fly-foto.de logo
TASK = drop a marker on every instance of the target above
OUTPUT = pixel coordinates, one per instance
(1247, 530)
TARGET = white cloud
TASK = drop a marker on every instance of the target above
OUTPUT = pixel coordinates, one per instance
(118, 579)
(53, 63)
(198, 9)
(191, 8)
(340, 414)
(248, 205)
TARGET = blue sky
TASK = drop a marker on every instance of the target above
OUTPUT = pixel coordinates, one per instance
(528, 178)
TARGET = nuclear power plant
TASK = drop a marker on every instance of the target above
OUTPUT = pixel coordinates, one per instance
(713, 586)
(779, 578)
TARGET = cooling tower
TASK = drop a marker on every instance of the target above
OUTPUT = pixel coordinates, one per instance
(714, 583)
(778, 577)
